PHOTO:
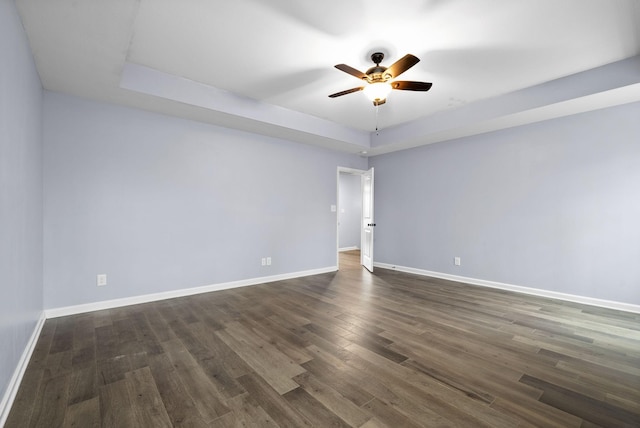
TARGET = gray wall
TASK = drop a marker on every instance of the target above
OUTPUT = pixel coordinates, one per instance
(160, 203)
(20, 193)
(553, 205)
(350, 210)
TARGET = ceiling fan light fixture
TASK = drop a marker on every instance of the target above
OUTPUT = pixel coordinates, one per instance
(379, 78)
(377, 91)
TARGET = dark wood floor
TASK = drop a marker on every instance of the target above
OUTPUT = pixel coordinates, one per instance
(341, 349)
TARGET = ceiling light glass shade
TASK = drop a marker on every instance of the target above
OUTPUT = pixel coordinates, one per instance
(377, 91)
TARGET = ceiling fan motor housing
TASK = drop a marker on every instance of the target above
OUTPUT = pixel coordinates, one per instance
(377, 73)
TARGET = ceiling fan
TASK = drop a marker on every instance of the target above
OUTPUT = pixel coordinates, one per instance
(380, 79)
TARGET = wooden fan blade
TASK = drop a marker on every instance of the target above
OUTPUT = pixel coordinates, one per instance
(348, 91)
(402, 65)
(352, 71)
(406, 85)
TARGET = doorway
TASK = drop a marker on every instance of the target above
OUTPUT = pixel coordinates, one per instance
(353, 231)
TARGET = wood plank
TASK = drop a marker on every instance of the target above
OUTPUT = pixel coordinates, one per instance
(274, 366)
(127, 341)
(284, 340)
(335, 402)
(50, 405)
(463, 370)
(221, 352)
(58, 364)
(244, 413)
(63, 336)
(158, 325)
(83, 357)
(312, 409)
(536, 414)
(374, 423)
(112, 369)
(212, 362)
(178, 403)
(116, 408)
(147, 403)
(83, 414)
(83, 385)
(145, 335)
(84, 335)
(337, 375)
(587, 408)
(206, 398)
(106, 343)
(451, 381)
(444, 404)
(389, 416)
(276, 406)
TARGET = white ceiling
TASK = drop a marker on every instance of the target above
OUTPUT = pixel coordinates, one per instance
(267, 65)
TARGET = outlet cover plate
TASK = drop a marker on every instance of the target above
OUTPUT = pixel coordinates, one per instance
(101, 279)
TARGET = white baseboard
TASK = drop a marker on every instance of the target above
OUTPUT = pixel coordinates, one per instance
(348, 248)
(627, 307)
(16, 379)
(135, 300)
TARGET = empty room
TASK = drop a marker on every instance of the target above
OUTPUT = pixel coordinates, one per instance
(276, 213)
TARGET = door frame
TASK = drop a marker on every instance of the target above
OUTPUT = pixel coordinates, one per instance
(353, 171)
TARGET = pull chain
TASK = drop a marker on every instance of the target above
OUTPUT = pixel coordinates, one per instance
(377, 108)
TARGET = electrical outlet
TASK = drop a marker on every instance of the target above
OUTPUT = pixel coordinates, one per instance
(101, 279)
(456, 261)
(268, 261)
(264, 261)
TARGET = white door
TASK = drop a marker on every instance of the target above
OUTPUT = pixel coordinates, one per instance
(366, 254)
